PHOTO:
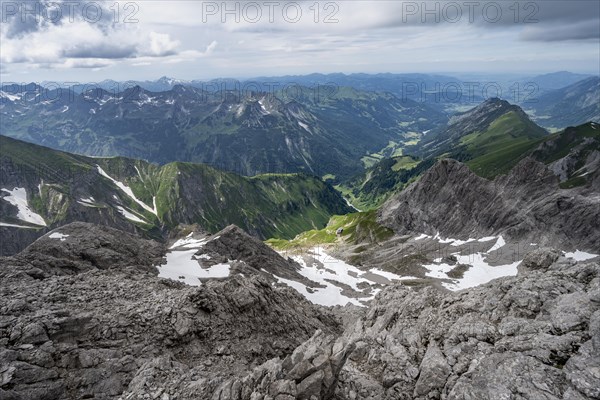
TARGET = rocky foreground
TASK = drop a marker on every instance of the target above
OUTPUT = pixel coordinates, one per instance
(85, 316)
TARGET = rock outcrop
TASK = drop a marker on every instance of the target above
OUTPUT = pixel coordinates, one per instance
(95, 330)
(232, 243)
(310, 372)
(123, 333)
(100, 334)
(81, 246)
(526, 204)
(532, 336)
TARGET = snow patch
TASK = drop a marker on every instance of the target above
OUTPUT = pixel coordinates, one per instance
(479, 273)
(127, 191)
(263, 109)
(130, 216)
(303, 125)
(8, 96)
(18, 197)
(327, 270)
(57, 235)
(189, 243)
(182, 266)
(329, 296)
(88, 202)
(578, 255)
(16, 226)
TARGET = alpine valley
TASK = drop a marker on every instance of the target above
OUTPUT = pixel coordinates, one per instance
(346, 237)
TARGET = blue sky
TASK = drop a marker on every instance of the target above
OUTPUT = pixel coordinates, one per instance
(91, 41)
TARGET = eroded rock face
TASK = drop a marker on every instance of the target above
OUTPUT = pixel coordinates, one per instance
(311, 371)
(232, 243)
(526, 204)
(81, 246)
(123, 333)
(108, 332)
(532, 336)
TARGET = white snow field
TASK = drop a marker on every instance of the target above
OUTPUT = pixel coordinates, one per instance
(183, 266)
(18, 197)
(127, 190)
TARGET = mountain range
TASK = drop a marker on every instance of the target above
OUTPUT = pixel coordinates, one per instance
(568, 106)
(438, 90)
(249, 133)
(491, 139)
(44, 188)
(471, 270)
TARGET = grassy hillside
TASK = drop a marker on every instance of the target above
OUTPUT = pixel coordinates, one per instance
(499, 148)
(369, 190)
(273, 205)
(361, 227)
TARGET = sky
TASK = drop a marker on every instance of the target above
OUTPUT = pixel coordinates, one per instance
(87, 41)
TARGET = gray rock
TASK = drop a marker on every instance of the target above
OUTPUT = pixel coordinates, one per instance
(89, 246)
(539, 259)
(527, 204)
(123, 333)
(434, 371)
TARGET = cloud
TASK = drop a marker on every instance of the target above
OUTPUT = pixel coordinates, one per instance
(584, 30)
(161, 45)
(368, 36)
(41, 42)
(211, 47)
(87, 63)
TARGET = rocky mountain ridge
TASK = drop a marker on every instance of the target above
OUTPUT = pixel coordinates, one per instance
(290, 130)
(132, 195)
(525, 205)
(535, 335)
(568, 106)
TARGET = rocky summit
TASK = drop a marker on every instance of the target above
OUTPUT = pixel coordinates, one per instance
(99, 323)
(525, 204)
(121, 332)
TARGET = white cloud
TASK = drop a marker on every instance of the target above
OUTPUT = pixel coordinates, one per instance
(368, 37)
(61, 44)
(161, 45)
(211, 47)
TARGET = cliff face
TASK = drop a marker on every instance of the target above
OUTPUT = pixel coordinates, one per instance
(525, 204)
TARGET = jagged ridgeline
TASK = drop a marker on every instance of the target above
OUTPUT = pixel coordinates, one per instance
(45, 188)
(300, 129)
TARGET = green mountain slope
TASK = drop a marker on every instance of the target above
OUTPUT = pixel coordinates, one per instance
(501, 146)
(372, 188)
(573, 105)
(573, 154)
(355, 228)
(134, 195)
(491, 124)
